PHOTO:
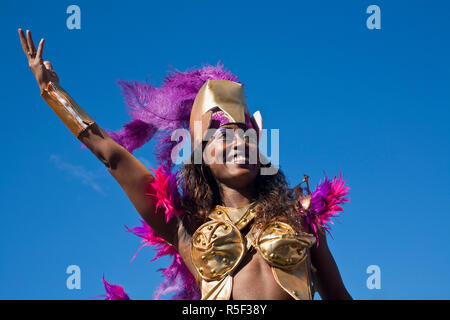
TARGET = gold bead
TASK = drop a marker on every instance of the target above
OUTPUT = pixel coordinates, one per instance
(203, 258)
(244, 220)
(219, 213)
(295, 293)
(225, 227)
(225, 260)
(199, 239)
(200, 270)
(214, 236)
(252, 210)
(213, 271)
(210, 227)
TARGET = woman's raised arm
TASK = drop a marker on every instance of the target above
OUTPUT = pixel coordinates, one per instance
(132, 175)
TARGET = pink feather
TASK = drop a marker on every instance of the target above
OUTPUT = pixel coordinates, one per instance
(325, 204)
(113, 291)
(177, 276)
(164, 189)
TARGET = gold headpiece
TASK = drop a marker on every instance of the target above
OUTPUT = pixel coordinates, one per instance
(226, 96)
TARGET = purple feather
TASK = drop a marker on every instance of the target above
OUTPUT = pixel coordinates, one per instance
(133, 135)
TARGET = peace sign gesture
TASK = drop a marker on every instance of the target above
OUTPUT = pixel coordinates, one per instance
(42, 70)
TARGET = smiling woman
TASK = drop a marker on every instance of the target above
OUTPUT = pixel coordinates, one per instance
(234, 232)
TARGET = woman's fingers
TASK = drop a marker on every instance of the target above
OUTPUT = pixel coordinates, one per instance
(28, 45)
(40, 49)
(30, 42)
(23, 41)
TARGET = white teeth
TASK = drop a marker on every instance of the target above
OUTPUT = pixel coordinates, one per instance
(239, 160)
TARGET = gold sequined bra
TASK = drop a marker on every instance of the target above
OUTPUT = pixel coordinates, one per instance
(218, 247)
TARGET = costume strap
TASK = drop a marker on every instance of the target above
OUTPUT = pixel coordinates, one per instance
(240, 217)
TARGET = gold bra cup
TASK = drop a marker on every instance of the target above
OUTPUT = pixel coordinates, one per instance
(217, 249)
(286, 251)
(281, 246)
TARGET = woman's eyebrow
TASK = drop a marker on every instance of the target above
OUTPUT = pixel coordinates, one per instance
(229, 126)
(219, 131)
(239, 125)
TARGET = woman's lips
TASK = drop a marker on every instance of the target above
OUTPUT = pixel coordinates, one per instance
(238, 156)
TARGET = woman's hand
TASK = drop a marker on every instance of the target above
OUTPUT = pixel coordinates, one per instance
(42, 70)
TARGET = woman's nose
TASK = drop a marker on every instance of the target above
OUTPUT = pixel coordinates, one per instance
(238, 138)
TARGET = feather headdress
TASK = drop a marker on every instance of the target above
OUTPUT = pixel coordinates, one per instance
(163, 109)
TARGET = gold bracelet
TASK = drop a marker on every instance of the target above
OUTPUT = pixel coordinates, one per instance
(73, 116)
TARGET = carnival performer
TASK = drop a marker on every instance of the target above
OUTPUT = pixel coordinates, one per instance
(233, 231)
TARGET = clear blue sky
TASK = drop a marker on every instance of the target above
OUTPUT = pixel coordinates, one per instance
(374, 104)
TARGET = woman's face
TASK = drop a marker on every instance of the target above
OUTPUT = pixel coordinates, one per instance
(233, 156)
